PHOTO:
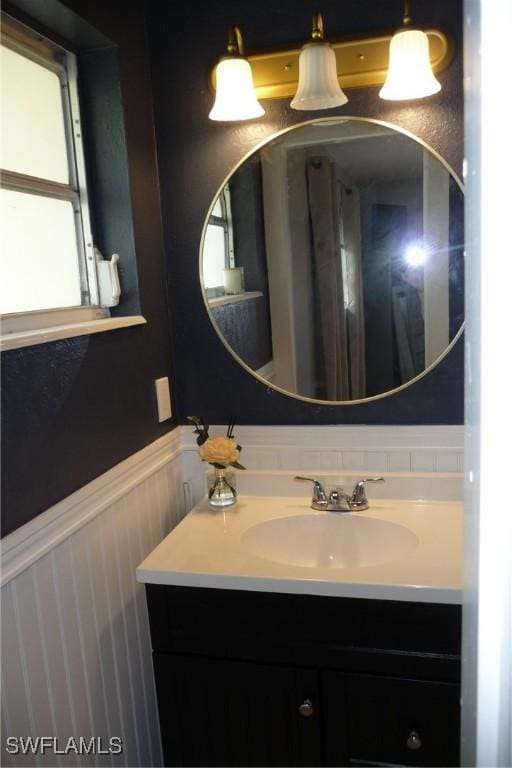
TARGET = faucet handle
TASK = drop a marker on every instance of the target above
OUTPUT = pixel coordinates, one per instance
(336, 496)
(358, 498)
(318, 489)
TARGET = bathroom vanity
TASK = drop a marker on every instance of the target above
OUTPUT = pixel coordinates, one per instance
(321, 662)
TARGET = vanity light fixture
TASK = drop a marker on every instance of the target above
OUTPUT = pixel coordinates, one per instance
(235, 98)
(410, 73)
(318, 79)
(361, 61)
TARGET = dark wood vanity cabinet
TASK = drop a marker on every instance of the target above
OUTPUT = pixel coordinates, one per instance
(215, 712)
(390, 721)
(264, 679)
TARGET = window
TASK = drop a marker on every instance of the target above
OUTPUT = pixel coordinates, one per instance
(49, 266)
(218, 252)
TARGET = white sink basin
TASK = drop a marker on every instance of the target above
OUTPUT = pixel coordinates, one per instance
(330, 540)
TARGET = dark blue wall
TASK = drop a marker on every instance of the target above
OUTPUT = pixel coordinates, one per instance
(195, 155)
(72, 409)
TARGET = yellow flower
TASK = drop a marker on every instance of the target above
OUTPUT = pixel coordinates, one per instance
(219, 450)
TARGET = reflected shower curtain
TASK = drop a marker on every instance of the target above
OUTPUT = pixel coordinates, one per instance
(338, 283)
(353, 288)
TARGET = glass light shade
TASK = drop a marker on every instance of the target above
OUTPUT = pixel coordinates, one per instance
(410, 73)
(235, 98)
(318, 80)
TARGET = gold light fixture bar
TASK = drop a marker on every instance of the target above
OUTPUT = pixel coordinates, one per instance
(359, 62)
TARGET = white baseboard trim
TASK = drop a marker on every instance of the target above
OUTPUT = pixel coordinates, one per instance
(31, 541)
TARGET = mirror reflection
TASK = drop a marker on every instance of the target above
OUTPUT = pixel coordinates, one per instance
(332, 260)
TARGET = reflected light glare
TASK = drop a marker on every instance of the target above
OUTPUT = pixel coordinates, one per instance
(415, 255)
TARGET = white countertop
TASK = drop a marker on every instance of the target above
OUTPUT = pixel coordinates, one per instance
(207, 549)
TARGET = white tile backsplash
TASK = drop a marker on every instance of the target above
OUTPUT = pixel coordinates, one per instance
(418, 462)
(260, 458)
(291, 457)
(348, 448)
(423, 461)
(398, 485)
(447, 461)
(376, 461)
(399, 461)
(323, 460)
(355, 460)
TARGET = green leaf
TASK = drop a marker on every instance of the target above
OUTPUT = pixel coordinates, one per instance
(200, 429)
(217, 466)
(237, 465)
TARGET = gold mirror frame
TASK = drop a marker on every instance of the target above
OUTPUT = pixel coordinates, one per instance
(264, 142)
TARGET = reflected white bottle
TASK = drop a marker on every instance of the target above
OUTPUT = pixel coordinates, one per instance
(233, 280)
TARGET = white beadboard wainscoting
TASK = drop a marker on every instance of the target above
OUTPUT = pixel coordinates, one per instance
(76, 652)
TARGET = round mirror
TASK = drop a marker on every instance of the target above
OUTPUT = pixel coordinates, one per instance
(332, 260)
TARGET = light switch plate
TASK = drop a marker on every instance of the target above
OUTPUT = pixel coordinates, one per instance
(163, 398)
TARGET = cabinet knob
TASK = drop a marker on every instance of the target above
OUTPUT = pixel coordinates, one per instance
(306, 708)
(413, 741)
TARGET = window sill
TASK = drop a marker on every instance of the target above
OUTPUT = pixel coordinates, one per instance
(232, 299)
(43, 335)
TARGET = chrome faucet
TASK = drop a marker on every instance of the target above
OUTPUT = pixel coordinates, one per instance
(337, 500)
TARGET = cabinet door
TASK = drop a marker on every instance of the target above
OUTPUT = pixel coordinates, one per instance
(230, 713)
(373, 720)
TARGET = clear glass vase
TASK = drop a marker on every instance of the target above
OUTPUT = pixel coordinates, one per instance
(221, 488)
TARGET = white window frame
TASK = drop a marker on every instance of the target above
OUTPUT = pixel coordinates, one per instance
(32, 327)
(226, 223)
